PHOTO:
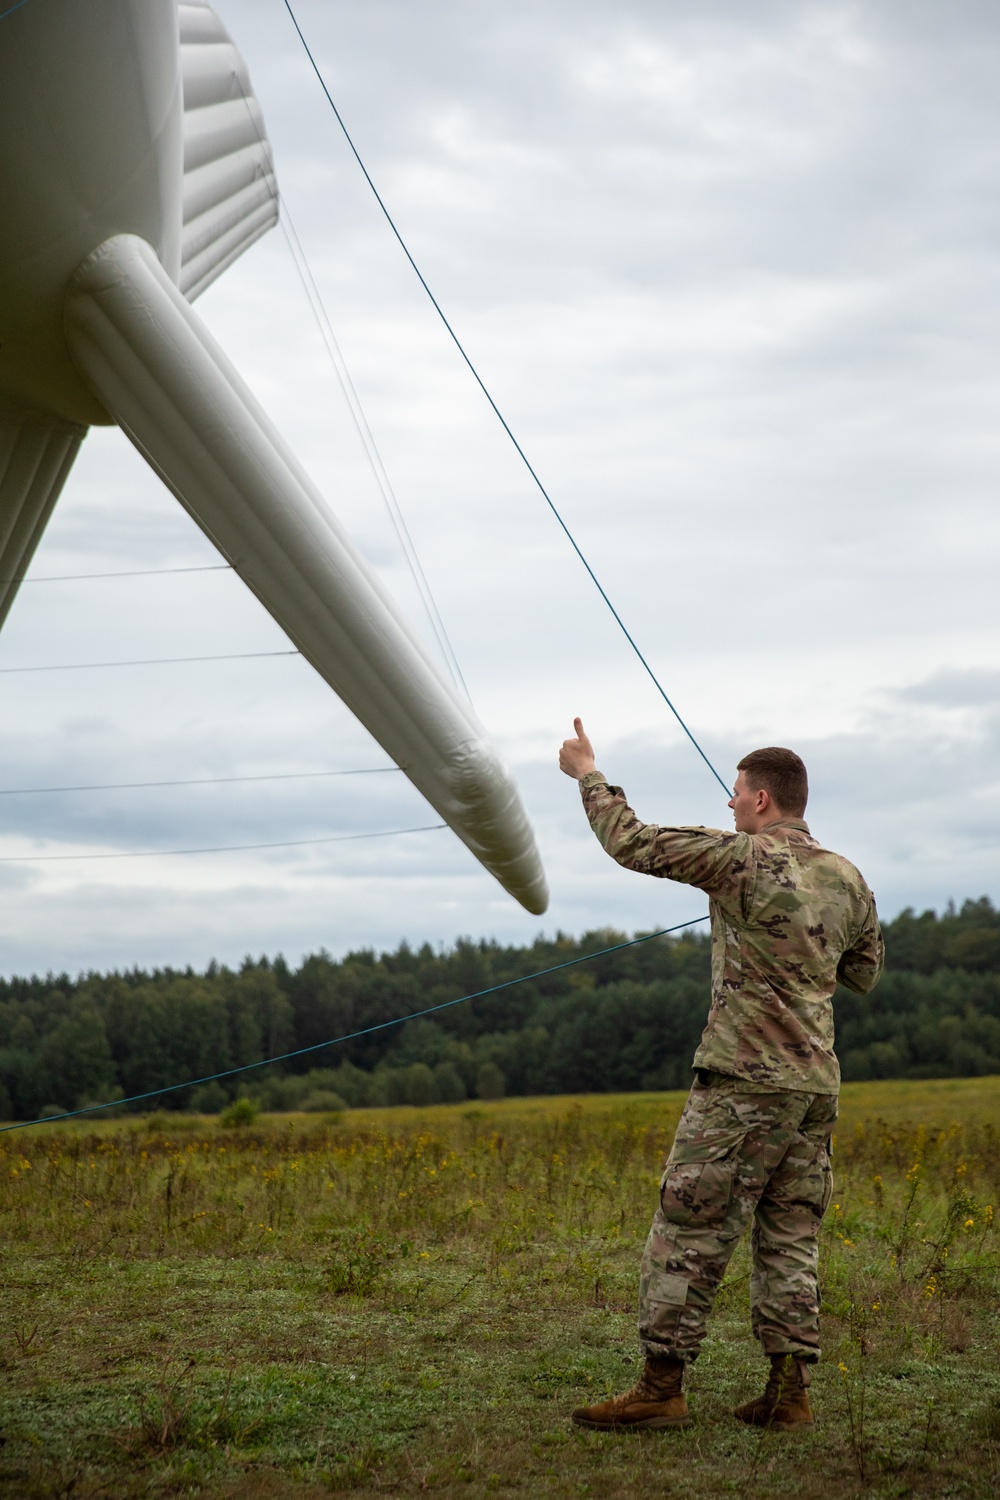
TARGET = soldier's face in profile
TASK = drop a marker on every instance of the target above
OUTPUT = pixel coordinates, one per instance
(745, 803)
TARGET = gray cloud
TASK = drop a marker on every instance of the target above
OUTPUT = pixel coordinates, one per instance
(973, 687)
(731, 272)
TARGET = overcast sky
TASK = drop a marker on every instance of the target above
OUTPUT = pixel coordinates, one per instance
(731, 273)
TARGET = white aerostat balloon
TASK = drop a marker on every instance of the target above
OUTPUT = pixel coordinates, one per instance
(135, 168)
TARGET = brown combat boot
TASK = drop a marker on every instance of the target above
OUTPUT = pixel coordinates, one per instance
(654, 1401)
(785, 1402)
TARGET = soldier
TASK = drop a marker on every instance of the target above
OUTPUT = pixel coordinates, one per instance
(789, 919)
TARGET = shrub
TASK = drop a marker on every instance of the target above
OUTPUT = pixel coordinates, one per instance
(241, 1112)
(420, 1085)
(361, 1257)
(322, 1101)
(451, 1085)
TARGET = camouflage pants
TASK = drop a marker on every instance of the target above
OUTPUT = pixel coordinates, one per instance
(738, 1154)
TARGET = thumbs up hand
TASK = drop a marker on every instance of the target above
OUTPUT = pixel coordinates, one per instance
(576, 757)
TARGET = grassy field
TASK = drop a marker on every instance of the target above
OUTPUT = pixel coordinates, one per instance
(410, 1301)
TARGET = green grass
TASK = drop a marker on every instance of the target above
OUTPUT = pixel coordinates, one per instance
(410, 1301)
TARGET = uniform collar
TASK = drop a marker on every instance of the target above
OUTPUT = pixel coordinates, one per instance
(799, 823)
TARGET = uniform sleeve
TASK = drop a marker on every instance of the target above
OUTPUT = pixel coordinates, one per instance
(860, 966)
(713, 861)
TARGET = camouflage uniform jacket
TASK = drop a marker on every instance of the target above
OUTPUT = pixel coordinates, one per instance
(789, 919)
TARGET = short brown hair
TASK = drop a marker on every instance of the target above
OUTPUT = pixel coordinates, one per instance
(782, 774)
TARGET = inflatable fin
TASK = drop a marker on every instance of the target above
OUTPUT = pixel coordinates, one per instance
(151, 362)
(36, 455)
(230, 191)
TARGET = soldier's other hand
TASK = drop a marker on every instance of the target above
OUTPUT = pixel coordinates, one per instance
(576, 757)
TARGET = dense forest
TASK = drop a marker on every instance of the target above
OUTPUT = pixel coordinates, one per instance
(628, 1020)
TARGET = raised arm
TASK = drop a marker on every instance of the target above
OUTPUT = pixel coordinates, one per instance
(705, 857)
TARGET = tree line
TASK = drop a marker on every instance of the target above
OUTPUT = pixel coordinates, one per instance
(625, 1021)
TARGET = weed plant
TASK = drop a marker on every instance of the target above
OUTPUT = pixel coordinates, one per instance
(393, 1302)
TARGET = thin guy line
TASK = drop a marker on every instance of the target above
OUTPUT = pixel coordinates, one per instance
(498, 413)
(131, 786)
(351, 1036)
(153, 661)
(373, 454)
(5, 13)
(322, 319)
(131, 573)
(338, 838)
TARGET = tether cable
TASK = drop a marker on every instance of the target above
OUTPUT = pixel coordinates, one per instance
(336, 838)
(496, 410)
(351, 1036)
